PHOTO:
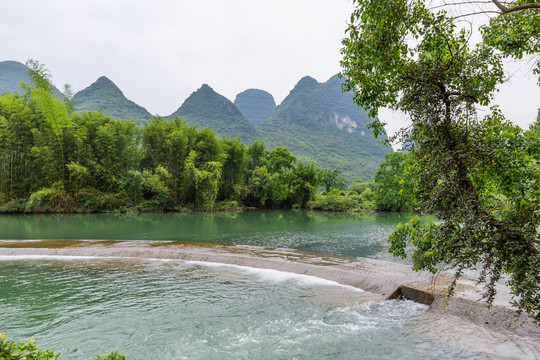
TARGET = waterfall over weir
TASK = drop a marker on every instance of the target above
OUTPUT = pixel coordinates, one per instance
(196, 300)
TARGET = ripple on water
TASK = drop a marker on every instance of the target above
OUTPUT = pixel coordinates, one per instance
(167, 309)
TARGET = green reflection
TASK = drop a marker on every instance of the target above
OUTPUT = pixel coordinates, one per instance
(335, 233)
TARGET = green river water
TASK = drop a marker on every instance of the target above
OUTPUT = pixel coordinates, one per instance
(161, 309)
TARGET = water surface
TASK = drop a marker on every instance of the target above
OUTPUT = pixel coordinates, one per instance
(333, 233)
(175, 310)
(184, 310)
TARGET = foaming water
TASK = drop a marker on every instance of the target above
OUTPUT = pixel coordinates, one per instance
(192, 310)
(499, 344)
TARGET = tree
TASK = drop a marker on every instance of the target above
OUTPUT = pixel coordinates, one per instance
(303, 183)
(234, 167)
(52, 109)
(391, 193)
(479, 176)
(332, 179)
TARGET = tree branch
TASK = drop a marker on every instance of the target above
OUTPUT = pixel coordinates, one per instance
(506, 10)
(478, 13)
(460, 3)
(457, 93)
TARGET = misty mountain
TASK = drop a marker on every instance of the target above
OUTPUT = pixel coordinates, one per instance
(318, 122)
(205, 107)
(256, 105)
(103, 95)
(12, 74)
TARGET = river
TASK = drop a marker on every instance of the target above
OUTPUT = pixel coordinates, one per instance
(158, 309)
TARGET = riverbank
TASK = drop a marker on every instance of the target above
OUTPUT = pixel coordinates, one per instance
(380, 279)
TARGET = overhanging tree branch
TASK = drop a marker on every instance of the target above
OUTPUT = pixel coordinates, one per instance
(506, 10)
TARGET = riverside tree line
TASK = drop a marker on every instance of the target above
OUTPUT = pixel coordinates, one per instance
(54, 159)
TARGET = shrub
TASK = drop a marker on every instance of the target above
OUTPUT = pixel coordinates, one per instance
(13, 351)
(29, 351)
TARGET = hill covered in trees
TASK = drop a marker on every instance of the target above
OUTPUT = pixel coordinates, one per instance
(256, 105)
(103, 95)
(319, 123)
(12, 73)
(205, 107)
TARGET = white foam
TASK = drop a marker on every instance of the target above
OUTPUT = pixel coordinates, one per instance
(277, 276)
(262, 275)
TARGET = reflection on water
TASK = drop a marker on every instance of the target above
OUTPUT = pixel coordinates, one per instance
(334, 233)
(175, 310)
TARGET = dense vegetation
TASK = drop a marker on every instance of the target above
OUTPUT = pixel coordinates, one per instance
(29, 351)
(389, 191)
(103, 95)
(205, 107)
(479, 175)
(56, 160)
(319, 123)
(318, 133)
(256, 105)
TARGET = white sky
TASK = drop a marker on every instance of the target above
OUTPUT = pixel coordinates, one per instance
(158, 52)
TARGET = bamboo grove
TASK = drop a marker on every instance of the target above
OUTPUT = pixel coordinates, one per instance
(55, 160)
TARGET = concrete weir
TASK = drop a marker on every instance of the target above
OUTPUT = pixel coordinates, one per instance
(380, 279)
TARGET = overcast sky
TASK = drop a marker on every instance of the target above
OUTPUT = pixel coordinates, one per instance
(158, 52)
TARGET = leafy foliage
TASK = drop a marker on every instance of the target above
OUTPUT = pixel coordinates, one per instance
(29, 351)
(480, 177)
(392, 191)
(331, 179)
(19, 351)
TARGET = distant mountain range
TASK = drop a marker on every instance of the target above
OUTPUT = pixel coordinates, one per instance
(316, 121)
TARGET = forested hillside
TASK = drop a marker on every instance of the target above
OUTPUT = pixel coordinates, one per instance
(12, 73)
(256, 105)
(103, 95)
(319, 123)
(205, 107)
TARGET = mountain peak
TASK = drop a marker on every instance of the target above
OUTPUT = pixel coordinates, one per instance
(335, 79)
(12, 74)
(103, 95)
(205, 107)
(318, 122)
(103, 78)
(255, 104)
(307, 81)
(105, 82)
